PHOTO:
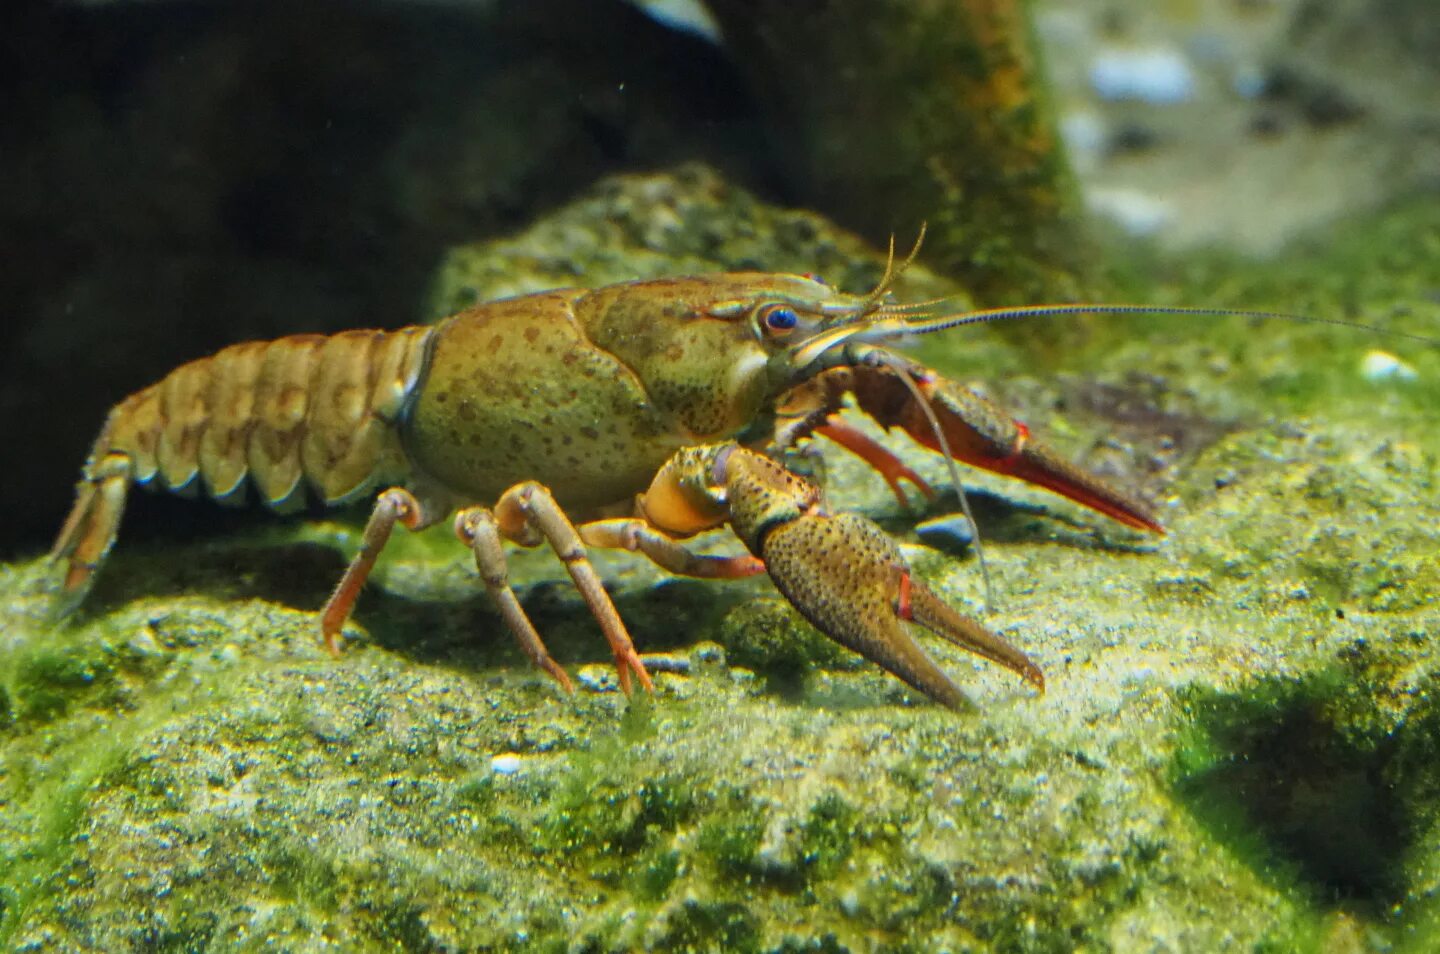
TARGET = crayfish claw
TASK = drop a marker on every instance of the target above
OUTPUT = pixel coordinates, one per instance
(841, 571)
(845, 575)
(975, 432)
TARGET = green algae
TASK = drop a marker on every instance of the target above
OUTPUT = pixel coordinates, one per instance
(69, 751)
(1320, 782)
(186, 769)
(768, 635)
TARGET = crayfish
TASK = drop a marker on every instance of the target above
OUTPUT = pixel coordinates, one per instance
(629, 416)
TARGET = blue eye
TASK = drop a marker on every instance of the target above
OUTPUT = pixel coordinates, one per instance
(781, 319)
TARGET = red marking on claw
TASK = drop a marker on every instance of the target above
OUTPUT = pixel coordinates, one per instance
(1022, 437)
(902, 601)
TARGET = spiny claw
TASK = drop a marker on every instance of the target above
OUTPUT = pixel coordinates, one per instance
(845, 575)
(842, 572)
(1038, 464)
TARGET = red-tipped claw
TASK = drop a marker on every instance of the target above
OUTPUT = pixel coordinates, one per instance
(982, 435)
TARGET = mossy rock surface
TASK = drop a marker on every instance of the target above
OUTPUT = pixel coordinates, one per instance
(1235, 751)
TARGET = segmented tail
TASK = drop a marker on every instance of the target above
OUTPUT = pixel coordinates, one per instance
(316, 407)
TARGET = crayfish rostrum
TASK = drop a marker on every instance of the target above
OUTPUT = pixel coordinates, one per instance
(630, 416)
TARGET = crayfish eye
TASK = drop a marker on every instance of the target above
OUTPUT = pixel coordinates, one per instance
(779, 318)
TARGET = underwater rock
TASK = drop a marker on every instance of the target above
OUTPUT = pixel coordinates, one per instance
(688, 220)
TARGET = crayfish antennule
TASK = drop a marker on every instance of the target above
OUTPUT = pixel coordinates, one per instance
(892, 272)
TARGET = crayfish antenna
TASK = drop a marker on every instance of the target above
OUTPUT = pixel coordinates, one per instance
(920, 325)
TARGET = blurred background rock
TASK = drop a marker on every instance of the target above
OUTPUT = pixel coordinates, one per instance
(1243, 123)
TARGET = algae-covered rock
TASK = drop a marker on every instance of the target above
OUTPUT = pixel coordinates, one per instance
(1235, 751)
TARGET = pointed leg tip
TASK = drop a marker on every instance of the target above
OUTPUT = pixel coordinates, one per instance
(960, 704)
(76, 578)
(332, 641)
(624, 668)
(62, 606)
(71, 594)
(627, 663)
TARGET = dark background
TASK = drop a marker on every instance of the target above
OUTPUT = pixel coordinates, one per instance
(178, 176)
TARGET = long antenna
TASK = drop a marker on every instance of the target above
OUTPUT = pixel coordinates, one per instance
(922, 326)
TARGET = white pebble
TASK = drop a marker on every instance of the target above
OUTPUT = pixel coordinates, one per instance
(1139, 213)
(1384, 366)
(1086, 138)
(1158, 75)
(507, 764)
